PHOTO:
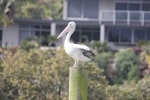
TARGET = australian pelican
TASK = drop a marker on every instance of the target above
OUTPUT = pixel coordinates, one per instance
(76, 51)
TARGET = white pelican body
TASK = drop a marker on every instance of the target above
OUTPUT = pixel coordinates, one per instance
(76, 51)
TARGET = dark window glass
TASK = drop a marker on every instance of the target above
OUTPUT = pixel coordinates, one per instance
(121, 15)
(91, 8)
(125, 35)
(135, 16)
(134, 6)
(139, 34)
(46, 27)
(86, 35)
(76, 36)
(113, 35)
(23, 34)
(35, 34)
(121, 6)
(45, 33)
(148, 35)
(96, 35)
(147, 16)
(35, 26)
(75, 8)
(146, 6)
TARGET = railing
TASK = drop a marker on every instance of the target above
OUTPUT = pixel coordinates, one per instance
(128, 17)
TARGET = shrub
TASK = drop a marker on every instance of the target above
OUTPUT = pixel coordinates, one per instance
(43, 75)
(28, 44)
(103, 62)
(130, 90)
(126, 65)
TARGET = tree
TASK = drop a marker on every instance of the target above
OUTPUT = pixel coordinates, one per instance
(4, 10)
(42, 9)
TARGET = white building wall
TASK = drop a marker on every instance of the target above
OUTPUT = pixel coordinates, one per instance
(10, 36)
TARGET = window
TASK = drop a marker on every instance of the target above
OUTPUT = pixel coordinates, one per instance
(91, 9)
(126, 35)
(146, 6)
(75, 8)
(76, 35)
(148, 35)
(34, 30)
(134, 6)
(96, 35)
(147, 16)
(35, 33)
(83, 8)
(113, 35)
(84, 34)
(128, 6)
(121, 6)
(23, 34)
(139, 34)
(35, 26)
(121, 15)
(135, 16)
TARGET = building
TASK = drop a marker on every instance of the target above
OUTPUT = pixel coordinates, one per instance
(23, 28)
(121, 22)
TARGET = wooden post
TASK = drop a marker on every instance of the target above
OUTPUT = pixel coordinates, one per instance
(78, 83)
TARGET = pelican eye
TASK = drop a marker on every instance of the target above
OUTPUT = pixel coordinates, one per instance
(70, 25)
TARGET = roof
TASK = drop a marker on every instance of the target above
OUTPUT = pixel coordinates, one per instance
(57, 21)
(30, 20)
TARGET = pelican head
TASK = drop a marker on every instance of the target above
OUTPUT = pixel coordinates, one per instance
(69, 28)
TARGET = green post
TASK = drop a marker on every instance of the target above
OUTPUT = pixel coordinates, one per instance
(78, 83)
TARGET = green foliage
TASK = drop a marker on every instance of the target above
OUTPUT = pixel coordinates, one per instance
(28, 44)
(130, 91)
(127, 91)
(43, 75)
(126, 64)
(103, 61)
(40, 9)
(143, 43)
(99, 47)
(144, 88)
(3, 95)
(133, 73)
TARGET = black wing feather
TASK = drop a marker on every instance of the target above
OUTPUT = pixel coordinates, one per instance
(88, 53)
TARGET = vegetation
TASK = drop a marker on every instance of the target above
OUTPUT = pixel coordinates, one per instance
(29, 73)
(41, 9)
(129, 91)
(43, 75)
(28, 44)
(126, 64)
